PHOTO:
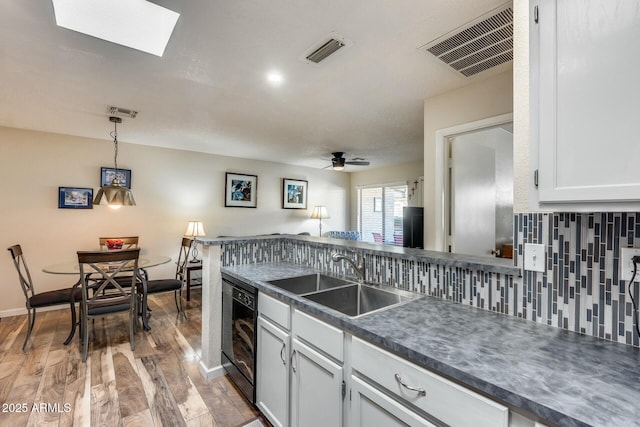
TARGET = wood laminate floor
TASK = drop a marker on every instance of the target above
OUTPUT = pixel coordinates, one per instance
(158, 384)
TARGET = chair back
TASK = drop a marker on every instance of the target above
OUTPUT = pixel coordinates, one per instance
(183, 258)
(115, 243)
(23, 271)
(98, 271)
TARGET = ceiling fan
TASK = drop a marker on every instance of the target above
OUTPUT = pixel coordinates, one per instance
(338, 161)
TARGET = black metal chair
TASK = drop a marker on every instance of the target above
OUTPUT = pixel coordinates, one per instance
(102, 292)
(35, 300)
(176, 284)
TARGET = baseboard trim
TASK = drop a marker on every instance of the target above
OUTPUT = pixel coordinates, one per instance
(21, 311)
(210, 373)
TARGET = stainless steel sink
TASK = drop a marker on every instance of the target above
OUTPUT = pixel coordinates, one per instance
(301, 285)
(357, 299)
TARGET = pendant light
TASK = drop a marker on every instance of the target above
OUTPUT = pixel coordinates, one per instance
(115, 194)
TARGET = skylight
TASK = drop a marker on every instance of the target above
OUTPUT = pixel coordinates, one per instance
(137, 24)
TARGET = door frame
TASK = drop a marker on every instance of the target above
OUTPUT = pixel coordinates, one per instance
(441, 181)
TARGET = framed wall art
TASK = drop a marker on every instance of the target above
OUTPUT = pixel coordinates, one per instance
(75, 198)
(107, 175)
(240, 190)
(294, 193)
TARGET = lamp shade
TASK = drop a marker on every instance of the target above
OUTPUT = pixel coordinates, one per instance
(195, 229)
(114, 195)
(320, 212)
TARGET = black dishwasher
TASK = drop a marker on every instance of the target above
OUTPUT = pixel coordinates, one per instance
(239, 320)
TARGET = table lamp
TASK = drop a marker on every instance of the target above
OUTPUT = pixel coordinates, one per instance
(320, 213)
(195, 229)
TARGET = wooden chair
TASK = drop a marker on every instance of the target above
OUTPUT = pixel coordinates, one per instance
(35, 300)
(175, 284)
(99, 269)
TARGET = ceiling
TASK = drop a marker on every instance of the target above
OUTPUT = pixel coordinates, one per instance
(209, 92)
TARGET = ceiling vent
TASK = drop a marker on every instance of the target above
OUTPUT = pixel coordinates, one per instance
(327, 49)
(479, 45)
(117, 111)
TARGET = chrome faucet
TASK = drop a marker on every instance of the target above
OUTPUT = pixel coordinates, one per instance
(358, 267)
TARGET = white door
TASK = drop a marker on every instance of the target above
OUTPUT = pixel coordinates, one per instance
(370, 407)
(481, 191)
(272, 376)
(316, 389)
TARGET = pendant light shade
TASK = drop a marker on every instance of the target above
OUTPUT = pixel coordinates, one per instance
(115, 194)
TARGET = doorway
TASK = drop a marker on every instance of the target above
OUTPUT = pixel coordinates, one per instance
(477, 186)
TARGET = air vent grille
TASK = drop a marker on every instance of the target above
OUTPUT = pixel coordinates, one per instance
(325, 50)
(480, 45)
(115, 111)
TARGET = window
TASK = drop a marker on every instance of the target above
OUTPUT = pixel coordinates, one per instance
(380, 213)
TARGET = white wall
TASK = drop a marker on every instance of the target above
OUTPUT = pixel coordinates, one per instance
(482, 99)
(406, 172)
(171, 187)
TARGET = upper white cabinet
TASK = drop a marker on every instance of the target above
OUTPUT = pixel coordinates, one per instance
(584, 71)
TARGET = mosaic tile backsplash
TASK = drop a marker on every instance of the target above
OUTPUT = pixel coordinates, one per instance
(580, 290)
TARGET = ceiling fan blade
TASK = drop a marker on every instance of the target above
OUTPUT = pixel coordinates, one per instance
(357, 163)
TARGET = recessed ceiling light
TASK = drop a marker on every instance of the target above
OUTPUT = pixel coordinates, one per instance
(137, 24)
(275, 78)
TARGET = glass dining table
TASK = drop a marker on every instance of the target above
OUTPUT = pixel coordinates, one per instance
(72, 267)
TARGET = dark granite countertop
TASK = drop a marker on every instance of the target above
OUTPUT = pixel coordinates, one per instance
(497, 265)
(556, 376)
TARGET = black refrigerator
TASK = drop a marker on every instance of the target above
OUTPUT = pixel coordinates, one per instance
(413, 227)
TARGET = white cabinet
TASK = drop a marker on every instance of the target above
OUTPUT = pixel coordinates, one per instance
(272, 366)
(316, 388)
(299, 381)
(585, 85)
(429, 393)
(371, 407)
(272, 360)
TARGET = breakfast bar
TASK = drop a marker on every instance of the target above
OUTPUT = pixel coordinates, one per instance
(539, 372)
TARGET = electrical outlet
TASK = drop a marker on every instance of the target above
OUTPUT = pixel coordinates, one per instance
(534, 257)
(626, 264)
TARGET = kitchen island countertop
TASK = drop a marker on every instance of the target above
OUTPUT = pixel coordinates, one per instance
(555, 376)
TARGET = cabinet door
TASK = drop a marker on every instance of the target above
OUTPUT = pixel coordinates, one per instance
(316, 391)
(370, 407)
(588, 99)
(272, 366)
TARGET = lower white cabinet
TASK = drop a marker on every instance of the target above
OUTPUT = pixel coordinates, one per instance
(316, 388)
(272, 366)
(307, 370)
(371, 407)
(432, 394)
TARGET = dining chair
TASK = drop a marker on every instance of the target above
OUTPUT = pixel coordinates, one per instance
(99, 270)
(119, 243)
(176, 284)
(34, 300)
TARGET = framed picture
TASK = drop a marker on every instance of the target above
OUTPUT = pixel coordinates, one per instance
(75, 198)
(107, 175)
(294, 194)
(240, 190)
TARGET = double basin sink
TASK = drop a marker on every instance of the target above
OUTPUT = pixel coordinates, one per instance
(350, 298)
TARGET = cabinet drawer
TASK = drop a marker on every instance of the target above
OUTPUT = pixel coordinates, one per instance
(442, 399)
(277, 311)
(321, 335)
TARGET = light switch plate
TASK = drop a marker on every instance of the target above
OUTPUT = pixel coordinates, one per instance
(534, 257)
(626, 265)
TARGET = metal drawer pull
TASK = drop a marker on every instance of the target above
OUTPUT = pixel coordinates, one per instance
(293, 367)
(284, 361)
(419, 390)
